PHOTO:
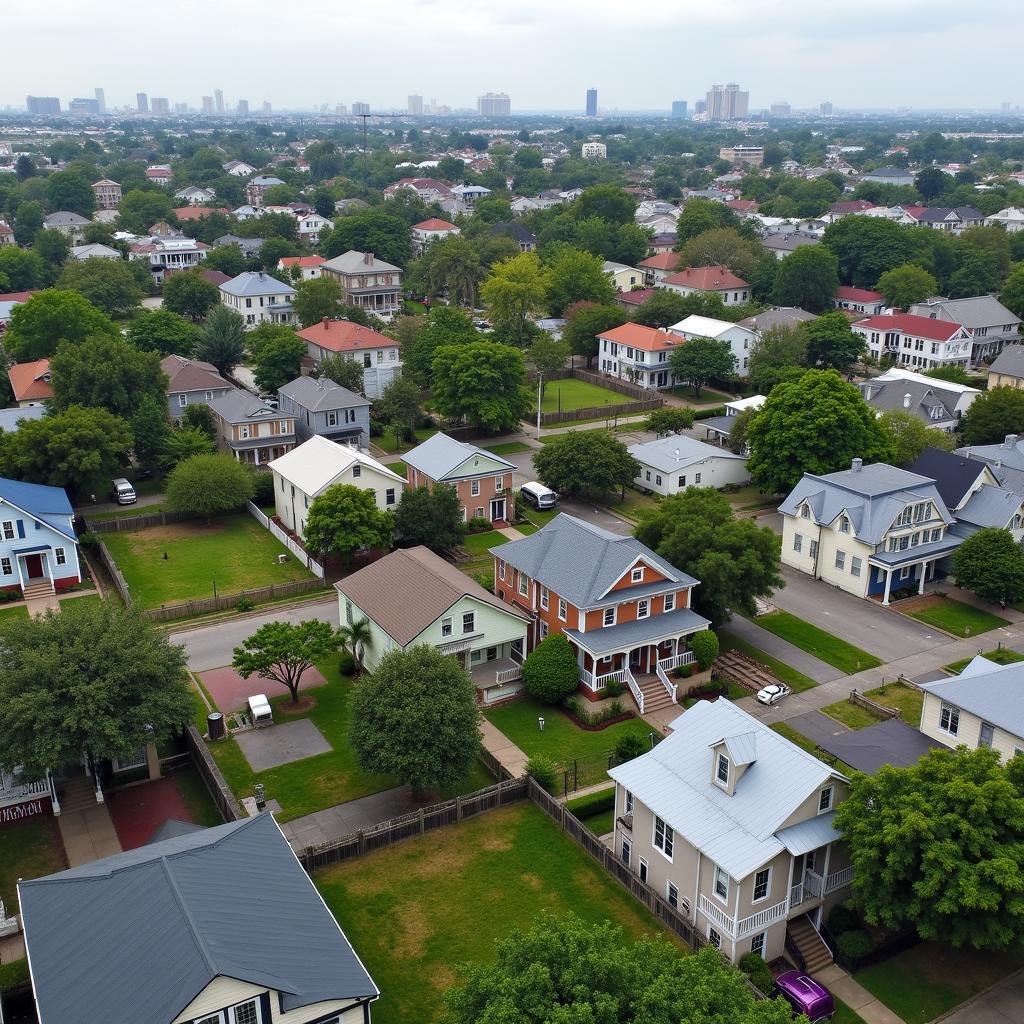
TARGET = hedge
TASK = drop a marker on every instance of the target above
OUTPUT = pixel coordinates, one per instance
(706, 414)
(592, 803)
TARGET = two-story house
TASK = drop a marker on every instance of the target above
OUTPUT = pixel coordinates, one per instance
(991, 324)
(38, 546)
(380, 356)
(71, 225)
(311, 226)
(250, 247)
(451, 612)
(195, 195)
(179, 932)
(859, 300)
(259, 299)
(867, 530)
(367, 282)
(718, 280)
(624, 278)
(167, 254)
(638, 354)
(107, 194)
(323, 408)
(930, 403)
(915, 341)
(739, 339)
(734, 826)
(1008, 369)
(625, 611)
(657, 267)
(191, 382)
(250, 429)
(482, 480)
(257, 186)
(307, 267)
(431, 230)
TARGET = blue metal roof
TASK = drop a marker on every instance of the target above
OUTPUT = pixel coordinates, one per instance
(49, 505)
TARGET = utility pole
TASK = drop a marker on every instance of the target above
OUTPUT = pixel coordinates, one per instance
(540, 391)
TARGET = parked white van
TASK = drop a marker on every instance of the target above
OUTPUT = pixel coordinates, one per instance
(537, 495)
(123, 492)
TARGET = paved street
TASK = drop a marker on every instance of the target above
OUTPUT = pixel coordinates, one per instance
(1001, 1004)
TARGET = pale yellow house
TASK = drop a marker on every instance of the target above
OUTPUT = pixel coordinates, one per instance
(624, 278)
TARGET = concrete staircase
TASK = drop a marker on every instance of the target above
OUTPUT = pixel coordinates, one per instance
(656, 696)
(816, 955)
(40, 589)
(77, 794)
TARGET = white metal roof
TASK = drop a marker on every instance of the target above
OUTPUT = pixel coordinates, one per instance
(316, 463)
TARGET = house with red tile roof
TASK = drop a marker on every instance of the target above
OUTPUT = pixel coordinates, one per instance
(859, 300)
(6, 233)
(638, 354)
(159, 175)
(30, 382)
(379, 355)
(717, 280)
(431, 230)
(307, 266)
(187, 213)
(743, 206)
(916, 342)
(659, 266)
(634, 299)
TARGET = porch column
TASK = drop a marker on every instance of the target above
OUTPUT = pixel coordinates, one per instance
(152, 762)
(824, 871)
(888, 585)
(924, 572)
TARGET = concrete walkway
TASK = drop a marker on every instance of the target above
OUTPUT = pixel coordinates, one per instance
(858, 998)
(88, 834)
(1003, 1003)
(509, 756)
(510, 532)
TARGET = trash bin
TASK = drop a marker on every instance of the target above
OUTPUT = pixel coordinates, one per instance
(215, 727)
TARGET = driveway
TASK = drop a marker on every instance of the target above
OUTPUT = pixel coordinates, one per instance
(817, 727)
(109, 506)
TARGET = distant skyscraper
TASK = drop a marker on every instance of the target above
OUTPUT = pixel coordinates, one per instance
(161, 106)
(360, 108)
(591, 103)
(243, 108)
(266, 107)
(142, 103)
(727, 103)
(679, 108)
(84, 106)
(494, 104)
(700, 107)
(415, 105)
(101, 100)
(181, 108)
(219, 100)
(43, 105)
(207, 104)
(825, 109)
(780, 110)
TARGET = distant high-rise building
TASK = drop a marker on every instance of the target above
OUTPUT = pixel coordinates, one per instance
(341, 108)
(243, 108)
(219, 100)
(1005, 108)
(142, 103)
(81, 105)
(358, 109)
(415, 105)
(780, 110)
(726, 103)
(266, 107)
(161, 106)
(591, 103)
(207, 104)
(44, 106)
(825, 109)
(101, 100)
(679, 108)
(494, 104)
(700, 107)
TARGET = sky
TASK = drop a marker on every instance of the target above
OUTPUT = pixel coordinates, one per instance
(543, 53)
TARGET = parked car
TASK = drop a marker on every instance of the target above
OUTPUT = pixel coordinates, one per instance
(537, 495)
(772, 693)
(123, 492)
(806, 995)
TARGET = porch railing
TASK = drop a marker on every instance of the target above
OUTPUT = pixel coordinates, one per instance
(618, 676)
(715, 913)
(813, 884)
(686, 658)
(508, 675)
(634, 688)
(838, 879)
(670, 686)
(762, 919)
(796, 895)
(19, 791)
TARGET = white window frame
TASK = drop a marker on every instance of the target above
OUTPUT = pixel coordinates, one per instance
(841, 561)
(798, 543)
(524, 584)
(949, 719)
(721, 876)
(637, 575)
(825, 799)
(669, 602)
(563, 610)
(767, 886)
(643, 608)
(545, 599)
(501, 568)
(543, 630)
(855, 566)
(628, 802)
(468, 622)
(60, 556)
(499, 483)
(643, 869)
(182, 400)
(757, 943)
(663, 838)
(447, 627)
(474, 488)
(6, 567)
(721, 761)
(609, 616)
(672, 894)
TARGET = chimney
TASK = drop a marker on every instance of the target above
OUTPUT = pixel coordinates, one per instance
(856, 465)
(906, 401)
(325, 321)
(368, 257)
(1011, 441)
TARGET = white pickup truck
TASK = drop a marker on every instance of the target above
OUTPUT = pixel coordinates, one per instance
(773, 693)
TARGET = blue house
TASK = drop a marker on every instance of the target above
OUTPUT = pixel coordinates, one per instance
(38, 546)
(322, 407)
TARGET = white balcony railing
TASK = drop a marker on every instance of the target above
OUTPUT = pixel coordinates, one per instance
(686, 658)
(762, 919)
(638, 694)
(508, 675)
(813, 884)
(796, 895)
(618, 676)
(12, 792)
(838, 879)
(714, 912)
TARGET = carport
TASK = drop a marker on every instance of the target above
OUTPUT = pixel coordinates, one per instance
(890, 742)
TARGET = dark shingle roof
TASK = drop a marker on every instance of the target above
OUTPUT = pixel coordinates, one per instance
(954, 475)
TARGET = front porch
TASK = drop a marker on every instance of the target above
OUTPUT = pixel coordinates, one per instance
(496, 669)
(20, 799)
(908, 567)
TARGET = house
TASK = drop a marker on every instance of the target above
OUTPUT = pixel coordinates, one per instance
(844, 208)
(259, 298)
(625, 611)
(523, 237)
(431, 230)
(867, 530)
(916, 341)
(468, 195)
(107, 194)
(859, 300)
(744, 207)
(664, 241)
(250, 247)
(194, 195)
(717, 429)
(991, 324)
(777, 316)
(451, 612)
(6, 234)
(380, 355)
(367, 282)
(323, 408)
(657, 267)
(159, 175)
(307, 266)
(94, 251)
(481, 479)
(238, 168)
(657, 224)
(168, 254)
(245, 212)
(1008, 454)
(311, 226)
(187, 214)
(734, 826)
(11, 419)
(1008, 369)
(1011, 218)
(430, 190)
(176, 931)
(739, 339)
(638, 354)
(633, 299)
(71, 225)
(248, 428)
(671, 464)
(30, 382)
(952, 219)
(8, 302)
(888, 176)
(256, 188)
(624, 278)
(306, 471)
(981, 707)
(191, 382)
(38, 546)
(720, 281)
(929, 403)
(782, 243)
(961, 395)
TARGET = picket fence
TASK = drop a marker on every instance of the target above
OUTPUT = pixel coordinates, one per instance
(289, 542)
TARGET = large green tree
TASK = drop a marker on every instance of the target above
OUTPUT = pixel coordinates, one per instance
(430, 516)
(779, 353)
(21, 270)
(444, 325)
(345, 519)
(910, 436)
(993, 415)
(189, 294)
(903, 286)
(484, 382)
(584, 322)
(279, 361)
(700, 215)
(348, 373)
(51, 317)
(283, 651)
(376, 230)
(317, 298)
(722, 247)
(575, 276)
(163, 332)
(66, 190)
(867, 247)
(699, 361)
(990, 563)
(185, 442)
(109, 285)
(209, 485)
(1012, 293)
(452, 265)
(830, 342)
(595, 461)
(515, 292)
(807, 278)
(399, 407)
(223, 339)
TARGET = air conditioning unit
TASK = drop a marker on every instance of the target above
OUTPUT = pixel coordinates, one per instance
(281, 559)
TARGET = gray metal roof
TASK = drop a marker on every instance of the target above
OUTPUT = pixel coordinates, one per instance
(993, 692)
(243, 407)
(354, 262)
(991, 506)
(134, 938)
(9, 418)
(1009, 362)
(973, 312)
(65, 218)
(809, 835)
(777, 316)
(626, 635)
(890, 742)
(265, 179)
(441, 455)
(678, 452)
(908, 556)
(580, 561)
(253, 282)
(1007, 453)
(736, 832)
(719, 424)
(316, 394)
(885, 396)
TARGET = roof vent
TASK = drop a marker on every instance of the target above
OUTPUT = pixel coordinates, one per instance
(325, 321)
(906, 401)
(1011, 441)
(856, 465)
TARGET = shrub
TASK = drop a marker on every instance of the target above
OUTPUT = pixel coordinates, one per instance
(684, 671)
(843, 919)
(486, 580)
(594, 803)
(615, 709)
(550, 672)
(244, 604)
(263, 489)
(89, 540)
(705, 648)
(574, 706)
(478, 525)
(758, 972)
(347, 664)
(630, 746)
(853, 944)
(543, 772)
(614, 689)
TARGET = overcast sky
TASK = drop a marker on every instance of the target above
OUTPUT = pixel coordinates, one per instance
(543, 53)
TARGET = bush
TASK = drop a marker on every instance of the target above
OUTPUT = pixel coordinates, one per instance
(615, 709)
(347, 664)
(853, 944)
(705, 648)
(89, 540)
(486, 580)
(684, 671)
(707, 414)
(758, 972)
(613, 689)
(478, 525)
(595, 803)
(630, 746)
(543, 772)
(263, 489)
(550, 672)
(244, 604)
(843, 919)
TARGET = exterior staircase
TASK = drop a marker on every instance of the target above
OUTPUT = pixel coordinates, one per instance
(77, 794)
(39, 589)
(656, 696)
(811, 946)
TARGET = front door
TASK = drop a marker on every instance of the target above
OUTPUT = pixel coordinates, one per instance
(635, 657)
(497, 509)
(34, 566)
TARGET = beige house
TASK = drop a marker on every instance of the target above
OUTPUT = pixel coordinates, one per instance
(248, 428)
(367, 282)
(734, 826)
(1008, 369)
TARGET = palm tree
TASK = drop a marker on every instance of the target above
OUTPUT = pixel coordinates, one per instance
(356, 639)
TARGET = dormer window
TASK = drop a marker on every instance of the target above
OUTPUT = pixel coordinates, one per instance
(844, 525)
(825, 800)
(637, 575)
(805, 512)
(722, 770)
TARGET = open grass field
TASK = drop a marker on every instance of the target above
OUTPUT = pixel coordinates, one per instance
(570, 394)
(421, 909)
(795, 680)
(28, 849)
(957, 618)
(1001, 656)
(234, 553)
(507, 448)
(813, 640)
(892, 695)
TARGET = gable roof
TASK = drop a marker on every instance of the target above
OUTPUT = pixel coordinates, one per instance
(191, 375)
(355, 262)
(992, 692)
(678, 452)
(512, 229)
(661, 261)
(706, 279)
(239, 406)
(435, 224)
(10, 419)
(954, 475)
(163, 921)
(894, 394)
(345, 336)
(253, 282)
(312, 465)
(851, 294)
(1009, 362)
(381, 591)
(301, 261)
(636, 297)
(31, 381)
(707, 326)
(777, 316)
(989, 506)
(316, 393)
(49, 505)
(441, 455)
(65, 218)
(649, 339)
(915, 326)
(972, 311)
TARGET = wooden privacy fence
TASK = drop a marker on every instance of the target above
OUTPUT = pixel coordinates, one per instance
(222, 602)
(592, 412)
(211, 776)
(493, 765)
(115, 574)
(289, 542)
(878, 710)
(140, 522)
(623, 387)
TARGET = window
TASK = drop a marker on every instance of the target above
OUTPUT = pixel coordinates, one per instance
(798, 542)
(499, 483)
(825, 800)
(714, 938)
(629, 803)
(543, 630)
(501, 569)
(696, 478)
(670, 602)
(468, 622)
(657, 480)
(563, 609)
(647, 475)
(357, 471)
(367, 361)
(332, 419)
(182, 400)
(626, 848)
(389, 496)
(474, 488)
(245, 1013)
(814, 549)
(6, 569)
(762, 884)
(840, 560)
(805, 512)
(682, 481)
(446, 627)
(643, 869)
(844, 525)
(937, 535)
(544, 598)
(643, 609)
(609, 617)
(524, 584)
(905, 571)
(987, 732)
(721, 884)
(348, 612)
(757, 945)
(479, 513)
(663, 837)
(949, 719)
(60, 555)
(637, 575)
(722, 770)
(672, 895)
(855, 566)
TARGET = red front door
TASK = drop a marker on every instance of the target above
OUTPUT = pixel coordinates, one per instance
(34, 566)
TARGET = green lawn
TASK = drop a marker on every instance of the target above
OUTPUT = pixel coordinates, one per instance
(957, 618)
(201, 807)
(398, 467)
(813, 640)
(234, 553)
(570, 394)
(1001, 656)
(326, 779)
(892, 695)
(507, 448)
(17, 612)
(636, 505)
(28, 849)
(480, 543)
(927, 980)
(388, 443)
(796, 681)
(420, 910)
(540, 516)
(844, 1015)
(708, 396)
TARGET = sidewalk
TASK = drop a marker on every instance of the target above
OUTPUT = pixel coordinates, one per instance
(509, 756)
(820, 671)
(858, 998)
(88, 834)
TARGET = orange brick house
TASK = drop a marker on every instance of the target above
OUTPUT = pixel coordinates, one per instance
(625, 611)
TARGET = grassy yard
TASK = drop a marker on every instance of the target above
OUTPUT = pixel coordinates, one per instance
(418, 911)
(796, 681)
(892, 695)
(18, 612)
(326, 779)
(507, 448)
(197, 797)
(388, 443)
(1001, 656)
(233, 554)
(813, 640)
(635, 507)
(397, 467)
(540, 516)
(125, 512)
(478, 544)
(28, 849)
(925, 981)
(957, 618)
(600, 822)
(570, 394)
(708, 396)
(749, 498)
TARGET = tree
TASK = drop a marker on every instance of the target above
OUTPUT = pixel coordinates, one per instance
(867, 247)
(430, 516)
(66, 190)
(547, 356)
(670, 420)
(399, 407)
(139, 209)
(663, 309)
(550, 671)
(910, 436)
(52, 248)
(903, 286)
(1012, 293)
(189, 294)
(609, 202)
(283, 651)
(723, 247)
(575, 276)
(699, 361)
(223, 339)
(149, 429)
(778, 354)
(317, 298)
(109, 285)
(453, 265)
(22, 269)
(566, 970)
(700, 215)
(990, 563)
(739, 428)
(228, 259)
(343, 371)
(345, 519)
(931, 182)
(163, 332)
(278, 362)
(954, 374)
(28, 222)
(939, 846)
(356, 639)
(484, 382)
(444, 325)
(376, 230)
(415, 717)
(186, 442)
(92, 677)
(992, 415)
(705, 648)
(735, 560)
(586, 460)
(807, 278)
(816, 424)
(830, 342)
(584, 322)
(51, 317)
(208, 485)
(514, 293)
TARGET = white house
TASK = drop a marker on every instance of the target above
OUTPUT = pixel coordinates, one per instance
(195, 196)
(1011, 218)
(739, 339)
(638, 354)
(308, 266)
(259, 298)
(594, 151)
(961, 395)
(311, 226)
(432, 230)
(239, 168)
(671, 464)
(918, 342)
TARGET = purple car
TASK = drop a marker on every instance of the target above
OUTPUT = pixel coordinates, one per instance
(805, 995)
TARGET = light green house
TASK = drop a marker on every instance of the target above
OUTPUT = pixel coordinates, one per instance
(412, 596)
